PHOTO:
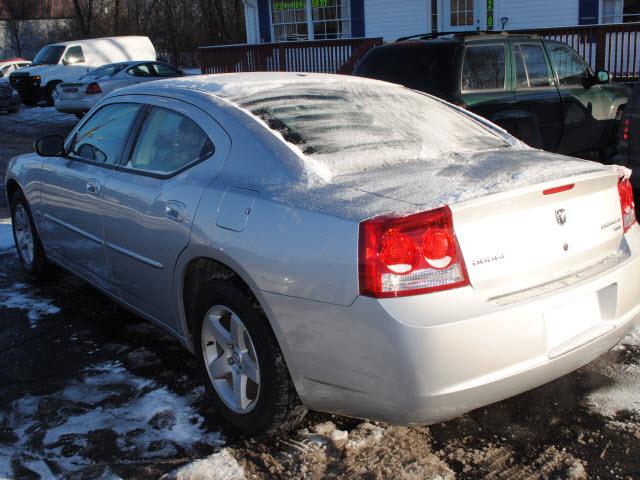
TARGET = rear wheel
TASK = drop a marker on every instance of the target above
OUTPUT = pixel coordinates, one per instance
(241, 363)
(30, 251)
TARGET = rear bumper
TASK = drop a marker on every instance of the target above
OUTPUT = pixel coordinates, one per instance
(80, 105)
(428, 358)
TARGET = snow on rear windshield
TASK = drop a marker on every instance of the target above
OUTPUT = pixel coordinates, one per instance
(354, 126)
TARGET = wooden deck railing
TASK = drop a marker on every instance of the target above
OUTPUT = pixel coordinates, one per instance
(612, 47)
(324, 56)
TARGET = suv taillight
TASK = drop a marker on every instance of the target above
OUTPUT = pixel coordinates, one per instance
(626, 129)
(93, 88)
(400, 256)
(626, 204)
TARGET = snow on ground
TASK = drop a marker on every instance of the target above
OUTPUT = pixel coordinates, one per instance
(6, 235)
(20, 296)
(219, 466)
(621, 395)
(143, 419)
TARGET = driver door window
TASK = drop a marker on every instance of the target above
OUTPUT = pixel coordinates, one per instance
(102, 137)
(571, 69)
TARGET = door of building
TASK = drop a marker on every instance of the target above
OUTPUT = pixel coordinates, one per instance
(464, 15)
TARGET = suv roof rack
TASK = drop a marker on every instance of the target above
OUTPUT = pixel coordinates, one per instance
(472, 33)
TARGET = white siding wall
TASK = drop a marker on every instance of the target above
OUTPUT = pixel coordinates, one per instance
(392, 20)
(536, 13)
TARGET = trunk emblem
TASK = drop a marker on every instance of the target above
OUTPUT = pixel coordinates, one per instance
(561, 216)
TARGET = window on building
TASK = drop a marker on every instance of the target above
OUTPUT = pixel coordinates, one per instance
(461, 13)
(484, 67)
(631, 11)
(611, 11)
(296, 20)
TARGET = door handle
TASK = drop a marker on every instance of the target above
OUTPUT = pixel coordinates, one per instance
(175, 210)
(93, 188)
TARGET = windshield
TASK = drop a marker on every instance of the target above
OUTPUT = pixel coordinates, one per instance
(49, 55)
(105, 71)
(352, 126)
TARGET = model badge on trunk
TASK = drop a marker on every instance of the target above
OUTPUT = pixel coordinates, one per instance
(561, 216)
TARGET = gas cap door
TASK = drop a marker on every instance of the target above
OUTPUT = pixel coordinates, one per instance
(235, 208)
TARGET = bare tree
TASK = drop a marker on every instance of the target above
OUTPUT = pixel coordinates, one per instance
(19, 31)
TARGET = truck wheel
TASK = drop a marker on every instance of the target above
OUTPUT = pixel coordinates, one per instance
(48, 92)
(243, 368)
(25, 235)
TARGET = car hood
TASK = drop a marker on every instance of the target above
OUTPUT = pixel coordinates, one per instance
(35, 69)
(456, 178)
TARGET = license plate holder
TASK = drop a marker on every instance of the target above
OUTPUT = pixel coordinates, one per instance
(568, 321)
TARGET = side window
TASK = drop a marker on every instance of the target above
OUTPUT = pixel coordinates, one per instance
(531, 66)
(484, 67)
(73, 55)
(163, 70)
(571, 69)
(167, 142)
(102, 137)
(141, 70)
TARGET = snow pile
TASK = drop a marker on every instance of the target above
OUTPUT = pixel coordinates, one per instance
(140, 420)
(6, 235)
(219, 466)
(19, 296)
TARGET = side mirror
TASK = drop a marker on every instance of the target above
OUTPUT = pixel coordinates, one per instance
(50, 146)
(602, 76)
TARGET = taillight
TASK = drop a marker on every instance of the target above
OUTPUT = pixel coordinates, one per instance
(93, 88)
(626, 203)
(401, 256)
(626, 129)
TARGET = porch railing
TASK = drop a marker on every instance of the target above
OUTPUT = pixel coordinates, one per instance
(323, 56)
(612, 47)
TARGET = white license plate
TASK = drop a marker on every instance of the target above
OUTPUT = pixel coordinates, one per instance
(70, 90)
(571, 319)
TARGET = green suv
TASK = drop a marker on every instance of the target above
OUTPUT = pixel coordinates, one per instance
(540, 91)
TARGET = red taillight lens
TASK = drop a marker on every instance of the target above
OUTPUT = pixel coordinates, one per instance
(93, 88)
(626, 203)
(626, 129)
(401, 256)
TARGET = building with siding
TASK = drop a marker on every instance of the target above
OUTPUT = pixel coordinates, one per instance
(297, 20)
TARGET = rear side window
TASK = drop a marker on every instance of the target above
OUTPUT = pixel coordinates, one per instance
(142, 70)
(167, 142)
(484, 67)
(531, 66)
(429, 68)
(73, 55)
(102, 137)
(163, 70)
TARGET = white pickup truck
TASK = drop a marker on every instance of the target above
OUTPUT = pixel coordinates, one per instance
(66, 61)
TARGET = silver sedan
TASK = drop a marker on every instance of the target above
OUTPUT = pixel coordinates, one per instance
(78, 97)
(335, 243)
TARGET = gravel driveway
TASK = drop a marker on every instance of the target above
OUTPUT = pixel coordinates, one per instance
(90, 391)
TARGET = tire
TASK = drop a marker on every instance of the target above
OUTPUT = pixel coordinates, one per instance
(32, 257)
(48, 92)
(271, 404)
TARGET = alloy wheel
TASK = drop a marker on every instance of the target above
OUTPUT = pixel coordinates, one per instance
(230, 359)
(23, 234)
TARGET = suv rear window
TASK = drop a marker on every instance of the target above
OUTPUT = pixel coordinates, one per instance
(429, 68)
(484, 67)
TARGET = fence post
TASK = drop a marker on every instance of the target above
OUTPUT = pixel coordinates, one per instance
(601, 46)
(282, 64)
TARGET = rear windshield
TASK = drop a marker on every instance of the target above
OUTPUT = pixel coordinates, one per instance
(352, 126)
(105, 71)
(429, 68)
(49, 55)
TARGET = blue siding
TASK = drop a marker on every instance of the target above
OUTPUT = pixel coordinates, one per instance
(264, 20)
(588, 12)
(357, 18)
